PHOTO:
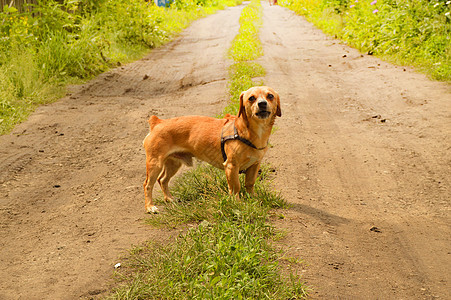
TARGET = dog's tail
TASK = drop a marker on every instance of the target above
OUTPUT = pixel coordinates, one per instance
(153, 121)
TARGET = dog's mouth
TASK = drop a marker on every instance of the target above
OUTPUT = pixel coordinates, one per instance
(263, 114)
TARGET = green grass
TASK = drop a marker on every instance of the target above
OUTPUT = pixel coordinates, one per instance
(247, 46)
(226, 255)
(200, 190)
(416, 33)
(22, 90)
(228, 251)
(67, 42)
(242, 77)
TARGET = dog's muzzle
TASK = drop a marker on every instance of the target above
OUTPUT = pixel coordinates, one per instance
(263, 112)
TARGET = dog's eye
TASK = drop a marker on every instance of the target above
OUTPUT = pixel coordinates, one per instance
(251, 98)
(270, 96)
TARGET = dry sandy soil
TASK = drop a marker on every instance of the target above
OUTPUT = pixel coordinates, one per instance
(362, 154)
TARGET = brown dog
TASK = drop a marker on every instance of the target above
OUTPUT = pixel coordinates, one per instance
(234, 144)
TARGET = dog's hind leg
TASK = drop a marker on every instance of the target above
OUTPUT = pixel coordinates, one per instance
(153, 169)
(171, 166)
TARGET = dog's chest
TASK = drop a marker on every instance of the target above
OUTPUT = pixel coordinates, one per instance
(251, 160)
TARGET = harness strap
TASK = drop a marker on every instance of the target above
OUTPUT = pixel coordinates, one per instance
(234, 136)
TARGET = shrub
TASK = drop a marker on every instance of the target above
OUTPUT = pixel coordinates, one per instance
(60, 42)
(407, 32)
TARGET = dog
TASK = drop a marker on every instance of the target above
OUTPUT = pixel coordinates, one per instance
(235, 143)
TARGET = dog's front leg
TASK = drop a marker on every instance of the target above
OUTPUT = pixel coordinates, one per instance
(232, 174)
(251, 177)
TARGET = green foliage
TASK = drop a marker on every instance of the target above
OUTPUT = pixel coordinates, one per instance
(407, 32)
(21, 89)
(303, 7)
(54, 43)
(212, 261)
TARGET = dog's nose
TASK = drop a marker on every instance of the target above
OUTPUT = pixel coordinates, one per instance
(262, 104)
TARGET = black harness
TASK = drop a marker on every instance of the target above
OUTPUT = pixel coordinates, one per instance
(234, 136)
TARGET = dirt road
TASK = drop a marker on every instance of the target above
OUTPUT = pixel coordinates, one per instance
(362, 153)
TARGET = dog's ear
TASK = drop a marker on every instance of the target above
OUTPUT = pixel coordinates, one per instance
(242, 108)
(279, 111)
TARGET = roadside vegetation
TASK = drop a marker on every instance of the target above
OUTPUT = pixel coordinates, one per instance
(228, 251)
(53, 43)
(412, 32)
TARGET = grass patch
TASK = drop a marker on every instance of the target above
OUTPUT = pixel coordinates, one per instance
(22, 90)
(199, 191)
(247, 46)
(416, 33)
(227, 254)
(242, 75)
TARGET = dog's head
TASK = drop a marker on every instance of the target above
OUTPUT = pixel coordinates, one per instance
(261, 103)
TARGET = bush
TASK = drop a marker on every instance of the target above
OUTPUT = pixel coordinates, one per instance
(407, 32)
(53, 43)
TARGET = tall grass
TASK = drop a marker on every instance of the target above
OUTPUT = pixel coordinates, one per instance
(60, 42)
(228, 253)
(408, 32)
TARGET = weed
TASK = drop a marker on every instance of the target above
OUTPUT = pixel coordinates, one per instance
(203, 191)
(245, 47)
(22, 90)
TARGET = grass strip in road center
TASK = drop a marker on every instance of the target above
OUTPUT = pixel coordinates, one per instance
(227, 253)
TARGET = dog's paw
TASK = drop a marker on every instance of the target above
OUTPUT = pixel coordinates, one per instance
(169, 199)
(152, 210)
